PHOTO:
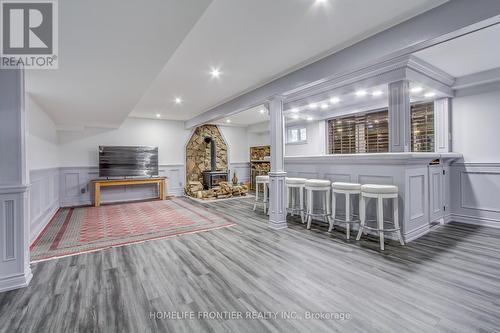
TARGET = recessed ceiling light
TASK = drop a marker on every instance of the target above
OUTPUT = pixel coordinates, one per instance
(295, 110)
(295, 116)
(228, 121)
(262, 111)
(430, 94)
(324, 106)
(416, 89)
(313, 106)
(158, 115)
(309, 118)
(361, 93)
(334, 100)
(215, 72)
(178, 100)
(377, 93)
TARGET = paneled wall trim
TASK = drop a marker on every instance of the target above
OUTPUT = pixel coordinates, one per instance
(76, 189)
(418, 182)
(242, 170)
(44, 198)
(475, 188)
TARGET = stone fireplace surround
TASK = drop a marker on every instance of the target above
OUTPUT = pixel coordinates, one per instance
(198, 152)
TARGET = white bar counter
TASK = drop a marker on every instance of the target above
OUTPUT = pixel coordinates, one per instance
(423, 188)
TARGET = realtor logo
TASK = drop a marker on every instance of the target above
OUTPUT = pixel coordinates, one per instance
(29, 34)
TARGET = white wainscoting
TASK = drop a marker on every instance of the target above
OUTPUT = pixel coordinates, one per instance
(14, 261)
(44, 198)
(76, 186)
(417, 202)
(242, 170)
(410, 172)
(475, 193)
(362, 173)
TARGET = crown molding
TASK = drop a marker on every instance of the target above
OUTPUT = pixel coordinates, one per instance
(429, 70)
(476, 79)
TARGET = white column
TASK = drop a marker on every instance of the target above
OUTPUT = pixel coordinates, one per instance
(399, 116)
(442, 125)
(14, 220)
(277, 214)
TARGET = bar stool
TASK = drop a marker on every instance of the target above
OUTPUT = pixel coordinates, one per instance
(321, 186)
(346, 189)
(380, 192)
(264, 181)
(292, 186)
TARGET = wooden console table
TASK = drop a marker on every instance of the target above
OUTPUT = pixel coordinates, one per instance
(161, 181)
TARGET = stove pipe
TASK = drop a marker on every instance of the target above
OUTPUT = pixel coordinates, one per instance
(213, 152)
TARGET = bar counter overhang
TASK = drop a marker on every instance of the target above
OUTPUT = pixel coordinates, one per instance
(423, 180)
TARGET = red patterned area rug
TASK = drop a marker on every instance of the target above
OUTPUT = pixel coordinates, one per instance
(86, 229)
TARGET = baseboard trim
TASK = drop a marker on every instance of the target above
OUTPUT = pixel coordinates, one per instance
(486, 222)
(16, 281)
(416, 233)
(447, 218)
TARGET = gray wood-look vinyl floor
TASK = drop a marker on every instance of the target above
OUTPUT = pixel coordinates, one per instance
(447, 281)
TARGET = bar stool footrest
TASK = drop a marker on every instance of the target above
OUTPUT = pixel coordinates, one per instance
(382, 230)
(317, 214)
(346, 222)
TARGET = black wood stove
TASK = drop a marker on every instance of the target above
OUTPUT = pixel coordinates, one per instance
(213, 177)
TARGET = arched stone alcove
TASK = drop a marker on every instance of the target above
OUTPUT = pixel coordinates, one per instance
(198, 152)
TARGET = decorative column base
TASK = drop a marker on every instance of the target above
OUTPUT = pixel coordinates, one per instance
(16, 281)
(15, 269)
(277, 209)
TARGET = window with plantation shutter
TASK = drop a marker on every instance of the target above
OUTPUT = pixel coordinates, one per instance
(366, 133)
(342, 134)
(422, 127)
(377, 132)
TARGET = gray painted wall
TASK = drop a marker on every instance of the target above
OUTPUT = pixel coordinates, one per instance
(76, 186)
(475, 181)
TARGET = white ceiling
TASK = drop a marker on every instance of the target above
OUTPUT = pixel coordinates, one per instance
(255, 41)
(109, 53)
(472, 53)
(119, 56)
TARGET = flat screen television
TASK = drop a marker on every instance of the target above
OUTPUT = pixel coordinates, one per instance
(127, 161)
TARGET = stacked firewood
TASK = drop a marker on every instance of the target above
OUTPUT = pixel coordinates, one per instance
(193, 187)
(224, 190)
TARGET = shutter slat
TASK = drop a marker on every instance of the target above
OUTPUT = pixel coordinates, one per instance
(365, 133)
(422, 127)
(369, 133)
